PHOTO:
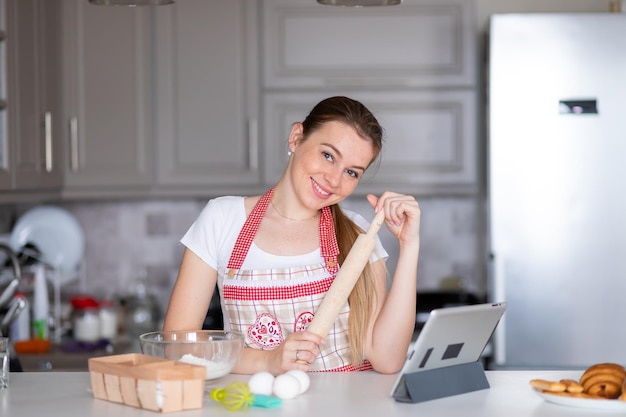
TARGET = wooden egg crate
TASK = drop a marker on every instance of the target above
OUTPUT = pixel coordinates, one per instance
(147, 382)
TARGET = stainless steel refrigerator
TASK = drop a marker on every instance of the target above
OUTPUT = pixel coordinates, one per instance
(557, 188)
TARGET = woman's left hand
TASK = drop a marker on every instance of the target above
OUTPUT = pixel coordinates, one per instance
(402, 215)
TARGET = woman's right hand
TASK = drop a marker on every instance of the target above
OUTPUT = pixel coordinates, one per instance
(298, 351)
(402, 215)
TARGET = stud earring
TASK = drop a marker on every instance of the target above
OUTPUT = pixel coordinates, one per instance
(289, 152)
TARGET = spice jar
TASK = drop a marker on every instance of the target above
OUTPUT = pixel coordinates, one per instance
(86, 319)
(108, 320)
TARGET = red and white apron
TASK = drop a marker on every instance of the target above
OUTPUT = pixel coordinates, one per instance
(268, 304)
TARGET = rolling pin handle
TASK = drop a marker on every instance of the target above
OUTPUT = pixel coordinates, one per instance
(376, 224)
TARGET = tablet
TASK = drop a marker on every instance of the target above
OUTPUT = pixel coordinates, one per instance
(451, 336)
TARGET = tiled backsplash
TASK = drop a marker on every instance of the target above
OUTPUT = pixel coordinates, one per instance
(128, 240)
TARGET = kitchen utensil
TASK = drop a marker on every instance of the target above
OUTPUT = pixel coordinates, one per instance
(218, 351)
(15, 308)
(347, 276)
(56, 234)
(8, 291)
(236, 396)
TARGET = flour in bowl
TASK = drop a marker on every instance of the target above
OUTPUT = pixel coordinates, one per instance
(213, 369)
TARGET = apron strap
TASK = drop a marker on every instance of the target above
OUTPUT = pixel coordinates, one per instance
(248, 231)
(328, 241)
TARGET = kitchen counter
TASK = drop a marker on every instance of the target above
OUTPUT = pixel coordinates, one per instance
(59, 360)
(32, 394)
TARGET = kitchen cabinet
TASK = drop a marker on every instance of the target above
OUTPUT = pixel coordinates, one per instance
(413, 65)
(33, 160)
(108, 100)
(206, 86)
(194, 98)
(420, 43)
(430, 138)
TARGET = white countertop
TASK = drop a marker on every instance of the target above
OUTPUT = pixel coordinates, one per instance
(62, 394)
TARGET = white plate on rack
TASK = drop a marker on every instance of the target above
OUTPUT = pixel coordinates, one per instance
(56, 234)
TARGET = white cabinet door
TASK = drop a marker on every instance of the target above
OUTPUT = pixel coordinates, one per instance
(108, 99)
(420, 43)
(206, 94)
(429, 142)
(33, 95)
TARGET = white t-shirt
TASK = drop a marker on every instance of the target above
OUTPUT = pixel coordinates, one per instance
(213, 235)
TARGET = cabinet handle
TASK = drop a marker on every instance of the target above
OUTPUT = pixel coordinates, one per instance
(74, 144)
(47, 123)
(253, 145)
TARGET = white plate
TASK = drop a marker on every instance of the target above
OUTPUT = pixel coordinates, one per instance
(614, 405)
(57, 235)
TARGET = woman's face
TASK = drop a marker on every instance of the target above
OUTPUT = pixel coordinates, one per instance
(327, 166)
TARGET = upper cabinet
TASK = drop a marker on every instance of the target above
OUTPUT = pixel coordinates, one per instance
(32, 154)
(414, 65)
(420, 43)
(196, 98)
(206, 68)
(108, 100)
(430, 138)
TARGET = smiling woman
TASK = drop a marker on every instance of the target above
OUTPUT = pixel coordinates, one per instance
(274, 257)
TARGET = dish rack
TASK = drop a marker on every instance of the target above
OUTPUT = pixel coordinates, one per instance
(147, 382)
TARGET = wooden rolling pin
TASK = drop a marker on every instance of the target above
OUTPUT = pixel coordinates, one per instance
(347, 276)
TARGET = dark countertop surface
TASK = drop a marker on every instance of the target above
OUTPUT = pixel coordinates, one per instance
(71, 356)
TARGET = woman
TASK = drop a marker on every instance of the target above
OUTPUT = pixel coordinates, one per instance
(274, 256)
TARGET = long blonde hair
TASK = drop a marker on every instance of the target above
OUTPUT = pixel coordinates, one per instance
(362, 297)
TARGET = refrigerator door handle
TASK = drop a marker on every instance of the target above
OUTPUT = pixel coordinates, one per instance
(499, 294)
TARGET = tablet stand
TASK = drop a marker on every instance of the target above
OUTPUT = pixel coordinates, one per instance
(442, 382)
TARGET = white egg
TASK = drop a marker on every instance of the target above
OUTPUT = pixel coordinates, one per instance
(261, 383)
(303, 379)
(286, 386)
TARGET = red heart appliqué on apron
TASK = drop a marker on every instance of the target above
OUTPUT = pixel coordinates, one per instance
(303, 321)
(266, 331)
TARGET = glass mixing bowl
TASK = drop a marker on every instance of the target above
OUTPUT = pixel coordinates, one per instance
(217, 350)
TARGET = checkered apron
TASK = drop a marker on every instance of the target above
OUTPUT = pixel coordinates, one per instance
(267, 304)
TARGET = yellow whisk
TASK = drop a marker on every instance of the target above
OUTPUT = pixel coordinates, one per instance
(237, 396)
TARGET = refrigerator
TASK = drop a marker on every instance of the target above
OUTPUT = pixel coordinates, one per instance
(556, 188)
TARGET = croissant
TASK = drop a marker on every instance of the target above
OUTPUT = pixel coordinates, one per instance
(604, 380)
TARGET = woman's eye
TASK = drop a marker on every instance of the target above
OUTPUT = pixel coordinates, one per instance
(352, 173)
(327, 156)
